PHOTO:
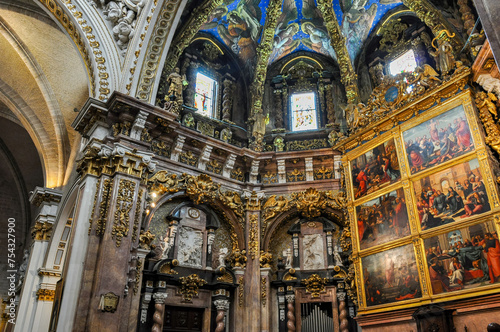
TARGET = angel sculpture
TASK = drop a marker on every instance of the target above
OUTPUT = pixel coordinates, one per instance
(285, 31)
(487, 100)
(313, 25)
(273, 206)
(427, 76)
(243, 28)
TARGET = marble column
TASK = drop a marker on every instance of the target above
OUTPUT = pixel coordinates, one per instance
(290, 314)
(222, 306)
(344, 323)
(35, 306)
(159, 299)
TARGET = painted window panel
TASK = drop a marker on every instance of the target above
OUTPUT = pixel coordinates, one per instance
(205, 94)
(406, 63)
(304, 111)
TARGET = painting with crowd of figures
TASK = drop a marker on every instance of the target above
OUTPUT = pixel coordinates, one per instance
(382, 219)
(391, 276)
(451, 195)
(465, 258)
(438, 140)
(375, 169)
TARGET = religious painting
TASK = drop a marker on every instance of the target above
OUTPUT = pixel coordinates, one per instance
(315, 35)
(451, 195)
(465, 258)
(238, 24)
(358, 18)
(382, 219)
(391, 276)
(285, 35)
(438, 140)
(375, 169)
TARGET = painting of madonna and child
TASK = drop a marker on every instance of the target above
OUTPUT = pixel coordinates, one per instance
(442, 138)
(382, 219)
(451, 195)
(391, 276)
(463, 259)
(375, 169)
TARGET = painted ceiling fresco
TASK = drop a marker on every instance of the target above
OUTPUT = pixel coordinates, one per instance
(239, 23)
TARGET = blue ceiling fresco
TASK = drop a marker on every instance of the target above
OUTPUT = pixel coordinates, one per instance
(238, 24)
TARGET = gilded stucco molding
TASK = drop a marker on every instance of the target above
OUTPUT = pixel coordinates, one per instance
(189, 30)
(257, 88)
(155, 47)
(347, 73)
(85, 40)
(433, 18)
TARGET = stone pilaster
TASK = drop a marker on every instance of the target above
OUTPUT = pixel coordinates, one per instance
(36, 299)
(112, 262)
(265, 299)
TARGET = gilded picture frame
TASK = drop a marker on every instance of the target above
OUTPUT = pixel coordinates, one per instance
(476, 163)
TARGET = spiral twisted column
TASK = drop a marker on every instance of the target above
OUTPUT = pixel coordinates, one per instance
(344, 323)
(222, 305)
(290, 324)
(159, 311)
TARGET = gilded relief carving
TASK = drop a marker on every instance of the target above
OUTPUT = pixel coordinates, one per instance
(124, 203)
(190, 286)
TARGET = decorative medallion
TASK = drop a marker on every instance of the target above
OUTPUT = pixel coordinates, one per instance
(194, 213)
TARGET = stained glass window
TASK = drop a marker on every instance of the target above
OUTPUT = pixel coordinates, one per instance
(406, 63)
(205, 94)
(304, 111)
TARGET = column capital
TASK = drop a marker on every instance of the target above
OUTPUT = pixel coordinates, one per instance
(43, 195)
(160, 297)
(222, 304)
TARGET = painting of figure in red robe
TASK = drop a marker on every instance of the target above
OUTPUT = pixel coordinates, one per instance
(451, 195)
(382, 219)
(375, 169)
(391, 276)
(465, 258)
(438, 140)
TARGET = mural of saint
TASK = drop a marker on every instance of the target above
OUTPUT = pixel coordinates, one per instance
(284, 42)
(241, 28)
(312, 25)
(357, 20)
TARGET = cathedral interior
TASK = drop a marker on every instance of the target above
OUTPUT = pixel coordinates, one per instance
(249, 165)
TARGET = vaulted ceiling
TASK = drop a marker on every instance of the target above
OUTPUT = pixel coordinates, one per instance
(300, 26)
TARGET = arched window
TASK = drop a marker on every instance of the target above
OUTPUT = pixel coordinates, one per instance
(205, 94)
(304, 114)
(405, 63)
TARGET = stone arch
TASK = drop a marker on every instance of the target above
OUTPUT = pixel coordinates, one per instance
(218, 210)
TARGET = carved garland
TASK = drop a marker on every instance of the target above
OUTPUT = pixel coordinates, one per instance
(315, 285)
(190, 286)
(124, 203)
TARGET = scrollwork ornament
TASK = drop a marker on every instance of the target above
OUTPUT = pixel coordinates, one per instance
(315, 285)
